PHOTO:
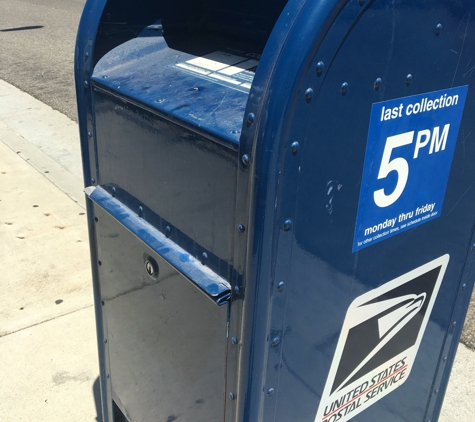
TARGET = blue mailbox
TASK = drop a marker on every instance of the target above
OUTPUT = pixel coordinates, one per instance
(281, 205)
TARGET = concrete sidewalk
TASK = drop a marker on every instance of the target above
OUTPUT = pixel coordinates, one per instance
(48, 353)
(48, 357)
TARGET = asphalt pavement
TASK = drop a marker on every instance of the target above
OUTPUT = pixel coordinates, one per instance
(48, 358)
(37, 41)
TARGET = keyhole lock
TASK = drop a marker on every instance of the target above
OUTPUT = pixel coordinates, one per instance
(151, 267)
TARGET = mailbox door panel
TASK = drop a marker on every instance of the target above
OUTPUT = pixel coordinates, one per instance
(164, 338)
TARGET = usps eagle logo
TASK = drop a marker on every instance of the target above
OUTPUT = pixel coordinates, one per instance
(379, 341)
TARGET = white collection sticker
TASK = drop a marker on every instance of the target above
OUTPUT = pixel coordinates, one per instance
(228, 69)
(379, 341)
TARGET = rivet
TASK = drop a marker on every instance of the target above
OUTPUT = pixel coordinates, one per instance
(108, 376)
(408, 79)
(104, 76)
(160, 100)
(438, 28)
(444, 358)
(276, 341)
(235, 131)
(377, 84)
(241, 228)
(281, 286)
(204, 258)
(114, 192)
(344, 88)
(463, 286)
(232, 396)
(250, 119)
(89, 134)
(86, 54)
(99, 262)
(102, 303)
(105, 340)
(237, 289)
(319, 68)
(309, 94)
(245, 159)
(141, 211)
(270, 391)
(473, 247)
(295, 147)
(96, 219)
(93, 181)
(436, 392)
(234, 340)
(287, 225)
(168, 231)
(86, 84)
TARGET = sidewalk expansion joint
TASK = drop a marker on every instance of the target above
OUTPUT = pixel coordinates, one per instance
(46, 320)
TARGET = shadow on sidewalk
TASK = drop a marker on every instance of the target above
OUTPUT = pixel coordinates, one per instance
(96, 390)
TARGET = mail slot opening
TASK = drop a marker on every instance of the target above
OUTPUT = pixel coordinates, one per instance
(198, 28)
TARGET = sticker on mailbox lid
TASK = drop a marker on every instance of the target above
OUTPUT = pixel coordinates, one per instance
(379, 340)
(236, 72)
(409, 151)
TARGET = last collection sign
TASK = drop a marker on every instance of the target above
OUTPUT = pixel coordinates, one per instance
(379, 340)
(409, 152)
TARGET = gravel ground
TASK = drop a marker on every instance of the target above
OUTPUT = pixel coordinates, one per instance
(468, 334)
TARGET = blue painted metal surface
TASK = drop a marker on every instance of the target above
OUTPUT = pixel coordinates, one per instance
(256, 175)
(83, 66)
(145, 68)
